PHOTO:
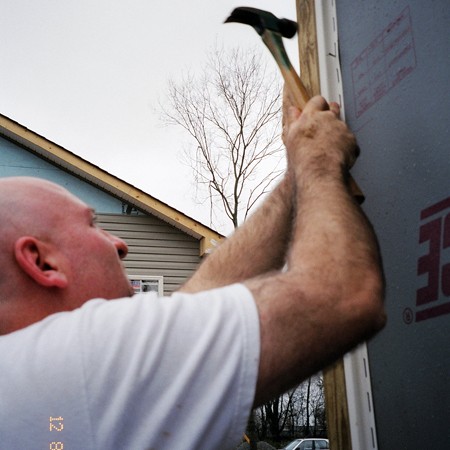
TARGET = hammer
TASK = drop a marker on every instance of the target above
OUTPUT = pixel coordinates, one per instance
(272, 30)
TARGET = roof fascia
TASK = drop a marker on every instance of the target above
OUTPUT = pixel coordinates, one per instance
(98, 177)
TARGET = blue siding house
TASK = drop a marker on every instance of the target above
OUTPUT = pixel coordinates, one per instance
(165, 245)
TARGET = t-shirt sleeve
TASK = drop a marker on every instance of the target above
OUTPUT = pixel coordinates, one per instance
(177, 372)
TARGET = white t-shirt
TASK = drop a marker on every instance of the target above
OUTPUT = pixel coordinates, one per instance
(141, 373)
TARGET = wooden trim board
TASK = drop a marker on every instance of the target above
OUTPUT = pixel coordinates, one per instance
(336, 405)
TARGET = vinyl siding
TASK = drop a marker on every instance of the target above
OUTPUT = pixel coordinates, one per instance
(154, 248)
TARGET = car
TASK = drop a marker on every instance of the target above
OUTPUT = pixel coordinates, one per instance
(292, 445)
(308, 444)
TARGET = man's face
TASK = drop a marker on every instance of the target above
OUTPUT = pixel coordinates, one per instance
(90, 257)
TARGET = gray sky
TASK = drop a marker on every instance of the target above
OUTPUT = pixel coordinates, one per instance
(88, 74)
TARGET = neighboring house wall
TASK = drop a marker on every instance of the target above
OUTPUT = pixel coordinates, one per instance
(17, 161)
(154, 248)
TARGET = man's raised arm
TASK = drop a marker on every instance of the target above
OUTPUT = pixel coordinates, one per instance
(331, 296)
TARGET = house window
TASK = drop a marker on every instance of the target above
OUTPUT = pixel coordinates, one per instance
(129, 210)
(147, 284)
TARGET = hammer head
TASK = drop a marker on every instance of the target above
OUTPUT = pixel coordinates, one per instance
(263, 20)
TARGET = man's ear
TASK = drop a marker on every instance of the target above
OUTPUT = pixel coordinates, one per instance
(40, 262)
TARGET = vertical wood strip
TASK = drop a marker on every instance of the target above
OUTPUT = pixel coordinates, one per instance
(336, 407)
(334, 376)
(307, 46)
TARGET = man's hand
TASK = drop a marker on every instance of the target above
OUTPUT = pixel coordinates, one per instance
(316, 139)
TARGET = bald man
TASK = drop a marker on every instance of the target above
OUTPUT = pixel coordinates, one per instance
(80, 371)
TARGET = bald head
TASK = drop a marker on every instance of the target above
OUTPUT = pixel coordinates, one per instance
(52, 253)
(24, 202)
(26, 205)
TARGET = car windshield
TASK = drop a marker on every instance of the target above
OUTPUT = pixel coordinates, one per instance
(292, 445)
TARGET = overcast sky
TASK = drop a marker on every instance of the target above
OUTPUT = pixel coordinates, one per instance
(88, 75)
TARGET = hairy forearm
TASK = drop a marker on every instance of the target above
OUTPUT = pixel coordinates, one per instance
(330, 297)
(331, 231)
(257, 247)
(332, 238)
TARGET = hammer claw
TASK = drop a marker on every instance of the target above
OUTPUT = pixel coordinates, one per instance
(263, 20)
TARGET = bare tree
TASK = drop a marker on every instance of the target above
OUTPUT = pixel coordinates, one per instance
(318, 407)
(310, 407)
(273, 417)
(231, 110)
(298, 413)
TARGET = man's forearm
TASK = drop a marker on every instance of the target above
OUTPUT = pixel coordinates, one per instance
(256, 247)
(331, 232)
(330, 297)
(332, 236)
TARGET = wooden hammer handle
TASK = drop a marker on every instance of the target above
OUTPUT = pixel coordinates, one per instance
(297, 89)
